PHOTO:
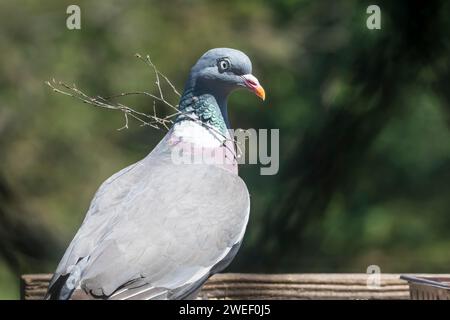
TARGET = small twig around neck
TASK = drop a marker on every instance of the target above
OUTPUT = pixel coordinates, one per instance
(152, 120)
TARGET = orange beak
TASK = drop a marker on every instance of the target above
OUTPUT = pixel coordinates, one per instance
(253, 85)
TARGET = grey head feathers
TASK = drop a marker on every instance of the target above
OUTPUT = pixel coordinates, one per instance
(215, 75)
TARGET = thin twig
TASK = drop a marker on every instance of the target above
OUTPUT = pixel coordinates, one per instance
(98, 101)
(152, 120)
(149, 62)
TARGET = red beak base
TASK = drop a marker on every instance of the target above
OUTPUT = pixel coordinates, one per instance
(253, 85)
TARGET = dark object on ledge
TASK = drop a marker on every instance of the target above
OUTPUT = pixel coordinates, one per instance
(428, 288)
(273, 286)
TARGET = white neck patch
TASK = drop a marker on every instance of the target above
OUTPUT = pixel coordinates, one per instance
(192, 132)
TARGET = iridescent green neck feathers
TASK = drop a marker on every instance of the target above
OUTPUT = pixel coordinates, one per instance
(203, 107)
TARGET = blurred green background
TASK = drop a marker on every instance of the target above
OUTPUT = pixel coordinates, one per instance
(364, 120)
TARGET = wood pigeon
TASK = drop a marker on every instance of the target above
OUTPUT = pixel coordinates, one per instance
(158, 229)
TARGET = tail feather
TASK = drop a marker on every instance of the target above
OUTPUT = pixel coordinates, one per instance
(59, 289)
(65, 284)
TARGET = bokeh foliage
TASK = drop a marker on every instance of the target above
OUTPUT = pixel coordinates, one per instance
(363, 117)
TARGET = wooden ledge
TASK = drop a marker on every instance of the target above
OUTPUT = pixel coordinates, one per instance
(272, 286)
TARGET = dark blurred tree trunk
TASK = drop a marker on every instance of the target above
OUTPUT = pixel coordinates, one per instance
(24, 242)
(325, 159)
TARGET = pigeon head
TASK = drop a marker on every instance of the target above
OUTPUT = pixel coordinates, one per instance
(220, 71)
(216, 74)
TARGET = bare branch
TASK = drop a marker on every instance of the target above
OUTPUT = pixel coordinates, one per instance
(149, 62)
(152, 120)
(101, 102)
(126, 122)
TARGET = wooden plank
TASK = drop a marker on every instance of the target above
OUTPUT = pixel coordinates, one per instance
(271, 286)
(303, 286)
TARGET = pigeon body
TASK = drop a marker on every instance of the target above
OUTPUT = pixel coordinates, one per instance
(160, 227)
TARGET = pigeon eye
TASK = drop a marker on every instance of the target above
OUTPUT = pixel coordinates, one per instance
(224, 65)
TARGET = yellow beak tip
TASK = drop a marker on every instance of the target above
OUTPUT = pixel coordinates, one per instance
(261, 93)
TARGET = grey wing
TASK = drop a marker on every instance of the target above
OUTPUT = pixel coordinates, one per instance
(98, 218)
(169, 230)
